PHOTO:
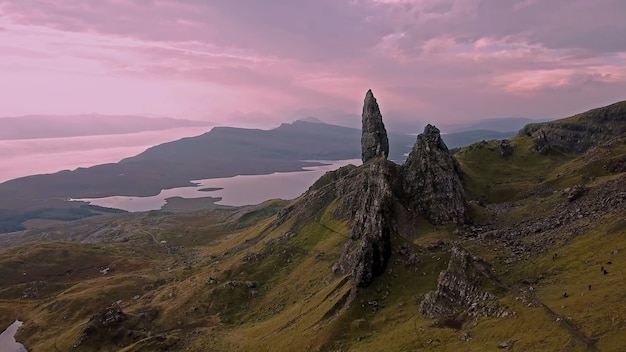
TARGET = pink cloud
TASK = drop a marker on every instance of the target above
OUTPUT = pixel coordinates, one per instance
(539, 80)
(223, 60)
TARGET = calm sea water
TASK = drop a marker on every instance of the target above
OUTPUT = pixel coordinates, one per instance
(7, 340)
(48, 155)
(235, 191)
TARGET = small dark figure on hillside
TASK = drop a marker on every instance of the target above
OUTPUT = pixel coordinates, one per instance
(589, 287)
(604, 272)
(565, 294)
(554, 256)
(609, 262)
(602, 268)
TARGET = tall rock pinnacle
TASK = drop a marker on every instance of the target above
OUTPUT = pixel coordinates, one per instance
(374, 140)
(432, 180)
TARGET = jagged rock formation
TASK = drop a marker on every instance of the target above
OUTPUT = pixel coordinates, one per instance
(366, 253)
(382, 198)
(374, 140)
(432, 180)
(580, 132)
(460, 288)
(367, 195)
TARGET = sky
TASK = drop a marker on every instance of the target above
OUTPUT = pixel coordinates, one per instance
(257, 63)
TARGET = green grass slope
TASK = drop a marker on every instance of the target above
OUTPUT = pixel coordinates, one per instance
(253, 279)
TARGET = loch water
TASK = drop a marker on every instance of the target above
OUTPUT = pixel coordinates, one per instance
(7, 339)
(233, 191)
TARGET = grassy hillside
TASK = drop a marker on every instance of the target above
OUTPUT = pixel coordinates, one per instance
(260, 278)
(263, 287)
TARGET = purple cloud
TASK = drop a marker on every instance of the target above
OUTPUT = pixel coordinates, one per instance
(436, 60)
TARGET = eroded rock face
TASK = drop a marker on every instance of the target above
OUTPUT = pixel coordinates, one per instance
(374, 140)
(366, 253)
(578, 133)
(432, 180)
(460, 288)
(383, 199)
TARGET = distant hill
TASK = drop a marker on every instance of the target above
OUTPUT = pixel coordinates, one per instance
(505, 124)
(311, 119)
(51, 126)
(465, 138)
(579, 132)
(300, 140)
(221, 152)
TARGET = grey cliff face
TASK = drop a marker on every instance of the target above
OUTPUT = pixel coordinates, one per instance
(366, 253)
(578, 133)
(432, 180)
(374, 140)
(366, 195)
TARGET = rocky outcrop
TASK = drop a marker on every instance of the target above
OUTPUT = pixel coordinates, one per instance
(103, 323)
(32, 290)
(541, 143)
(366, 253)
(580, 205)
(367, 196)
(506, 148)
(460, 288)
(432, 180)
(383, 199)
(374, 140)
(580, 132)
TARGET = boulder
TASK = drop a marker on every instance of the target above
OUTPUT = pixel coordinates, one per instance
(461, 287)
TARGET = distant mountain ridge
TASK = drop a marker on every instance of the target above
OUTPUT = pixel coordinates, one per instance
(505, 124)
(465, 138)
(58, 126)
(221, 152)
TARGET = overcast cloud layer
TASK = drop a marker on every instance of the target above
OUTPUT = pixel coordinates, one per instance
(256, 63)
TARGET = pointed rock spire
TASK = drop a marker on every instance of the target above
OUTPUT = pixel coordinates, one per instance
(374, 140)
(432, 180)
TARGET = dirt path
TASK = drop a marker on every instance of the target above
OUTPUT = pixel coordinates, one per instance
(140, 228)
(571, 328)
